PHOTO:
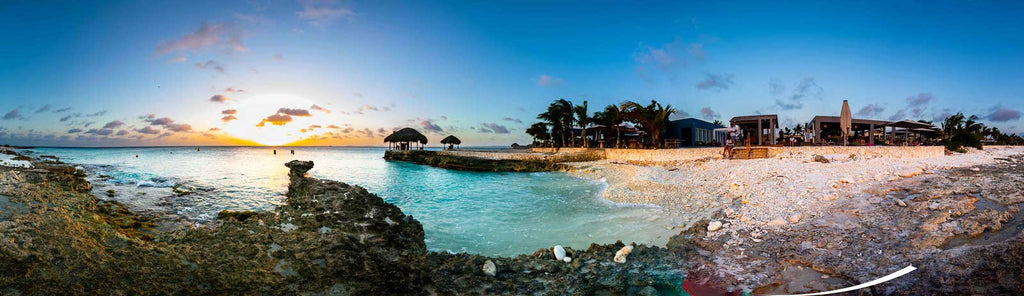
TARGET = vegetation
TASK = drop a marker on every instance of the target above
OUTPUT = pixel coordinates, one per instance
(563, 118)
(959, 131)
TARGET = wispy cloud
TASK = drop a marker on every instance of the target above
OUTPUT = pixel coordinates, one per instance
(316, 107)
(548, 80)
(113, 124)
(806, 89)
(222, 35)
(870, 110)
(715, 82)
(13, 114)
(44, 108)
(516, 120)
(294, 112)
(1002, 114)
(708, 114)
(229, 112)
(212, 66)
(493, 128)
(667, 59)
(323, 13)
(228, 118)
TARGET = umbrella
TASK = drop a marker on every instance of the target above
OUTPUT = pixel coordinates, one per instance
(845, 121)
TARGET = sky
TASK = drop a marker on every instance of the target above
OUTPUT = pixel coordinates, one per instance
(140, 73)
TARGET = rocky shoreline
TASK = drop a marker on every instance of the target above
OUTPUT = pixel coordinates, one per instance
(330, 238)
(960, 226)
(468, 163)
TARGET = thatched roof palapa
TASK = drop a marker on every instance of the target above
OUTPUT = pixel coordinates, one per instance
(451, 140)
(406, 135)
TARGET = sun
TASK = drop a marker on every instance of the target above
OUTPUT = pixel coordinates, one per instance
(252, 110)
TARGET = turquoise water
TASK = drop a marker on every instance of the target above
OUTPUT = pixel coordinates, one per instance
(484, 213)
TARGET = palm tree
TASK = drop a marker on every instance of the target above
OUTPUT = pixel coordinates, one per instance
(539, 131)
(560, 116)
(583, 119)
(612, 116)
(653, 118)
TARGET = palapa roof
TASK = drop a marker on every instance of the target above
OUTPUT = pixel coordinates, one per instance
(406, 135)
(451, 140)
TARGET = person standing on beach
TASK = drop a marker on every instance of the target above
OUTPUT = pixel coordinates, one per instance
(729, 142)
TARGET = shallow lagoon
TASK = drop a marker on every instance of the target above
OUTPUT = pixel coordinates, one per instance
(485, 213)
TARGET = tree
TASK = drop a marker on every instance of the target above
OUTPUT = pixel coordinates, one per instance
(960, 131)
(718, 122)
(583, 119)
(653, 118)
(612, 116)
(559, 116)
(539, 131)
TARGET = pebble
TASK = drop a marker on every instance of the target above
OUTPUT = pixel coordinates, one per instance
(567, 259)
(714, 225)
(620, 256)
(846, 180)
(910, 172)
(559, 252)
(794, 218)
(901, 203)
(777, 222)
(489, 268)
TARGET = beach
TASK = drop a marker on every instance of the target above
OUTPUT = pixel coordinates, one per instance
(839, 219)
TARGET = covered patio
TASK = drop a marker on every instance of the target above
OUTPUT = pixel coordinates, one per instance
(758, 129)
(905, 132)
(825, 129)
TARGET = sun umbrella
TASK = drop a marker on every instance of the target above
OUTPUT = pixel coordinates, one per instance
(845, 121)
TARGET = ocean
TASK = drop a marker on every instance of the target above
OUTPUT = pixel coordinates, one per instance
(486, 213)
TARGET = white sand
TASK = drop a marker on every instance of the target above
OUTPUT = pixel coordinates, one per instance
(8, 160)
(765, 192)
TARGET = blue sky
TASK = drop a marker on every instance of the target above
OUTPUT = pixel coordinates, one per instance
(118, 73)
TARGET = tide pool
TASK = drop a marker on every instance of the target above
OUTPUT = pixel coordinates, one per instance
(477, 212)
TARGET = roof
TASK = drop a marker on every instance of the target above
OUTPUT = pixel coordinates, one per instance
(692, 122)
(451, 140)
(406, 135)
(911, 124)
(835, 119)
(754, 117)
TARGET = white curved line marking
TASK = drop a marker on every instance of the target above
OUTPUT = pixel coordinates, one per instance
(883, 279)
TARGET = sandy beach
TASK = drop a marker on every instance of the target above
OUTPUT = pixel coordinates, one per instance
(846, 217)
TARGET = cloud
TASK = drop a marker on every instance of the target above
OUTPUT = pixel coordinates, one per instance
(160, 121)
(323, 13)
(62, 110)
(516, 120)
(870, 110)
(316, 107)
(776, 87)
(13, 114)
(366, 132)
(211, 65)
(667, 59)
(122, 132)
(1002, 114)
(807, 89)
(708, 114)
(219, 99)
(333, 127)
(65, 118)
(276, 119)
(278, 57)
(179, 127)
(493, 128)
(222, 35)
(101, 132)
(715, 82)
(919, 99)
(149, 130)
(229, 112)
(98, 113)
(548, 80)
(177, 59)
(234, 90)
(44, 108)
(228, 118)
(900, 115)
(294, 112)
(74, 131)
(429, 126)
(113, 124)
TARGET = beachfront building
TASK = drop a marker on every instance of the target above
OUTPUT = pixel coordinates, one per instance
(825, 130)
(908, 132)
(404, 139)
(758, 129)
(690, 132)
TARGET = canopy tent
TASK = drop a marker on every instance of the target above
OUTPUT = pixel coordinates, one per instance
(910, 127)
(404, 137)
